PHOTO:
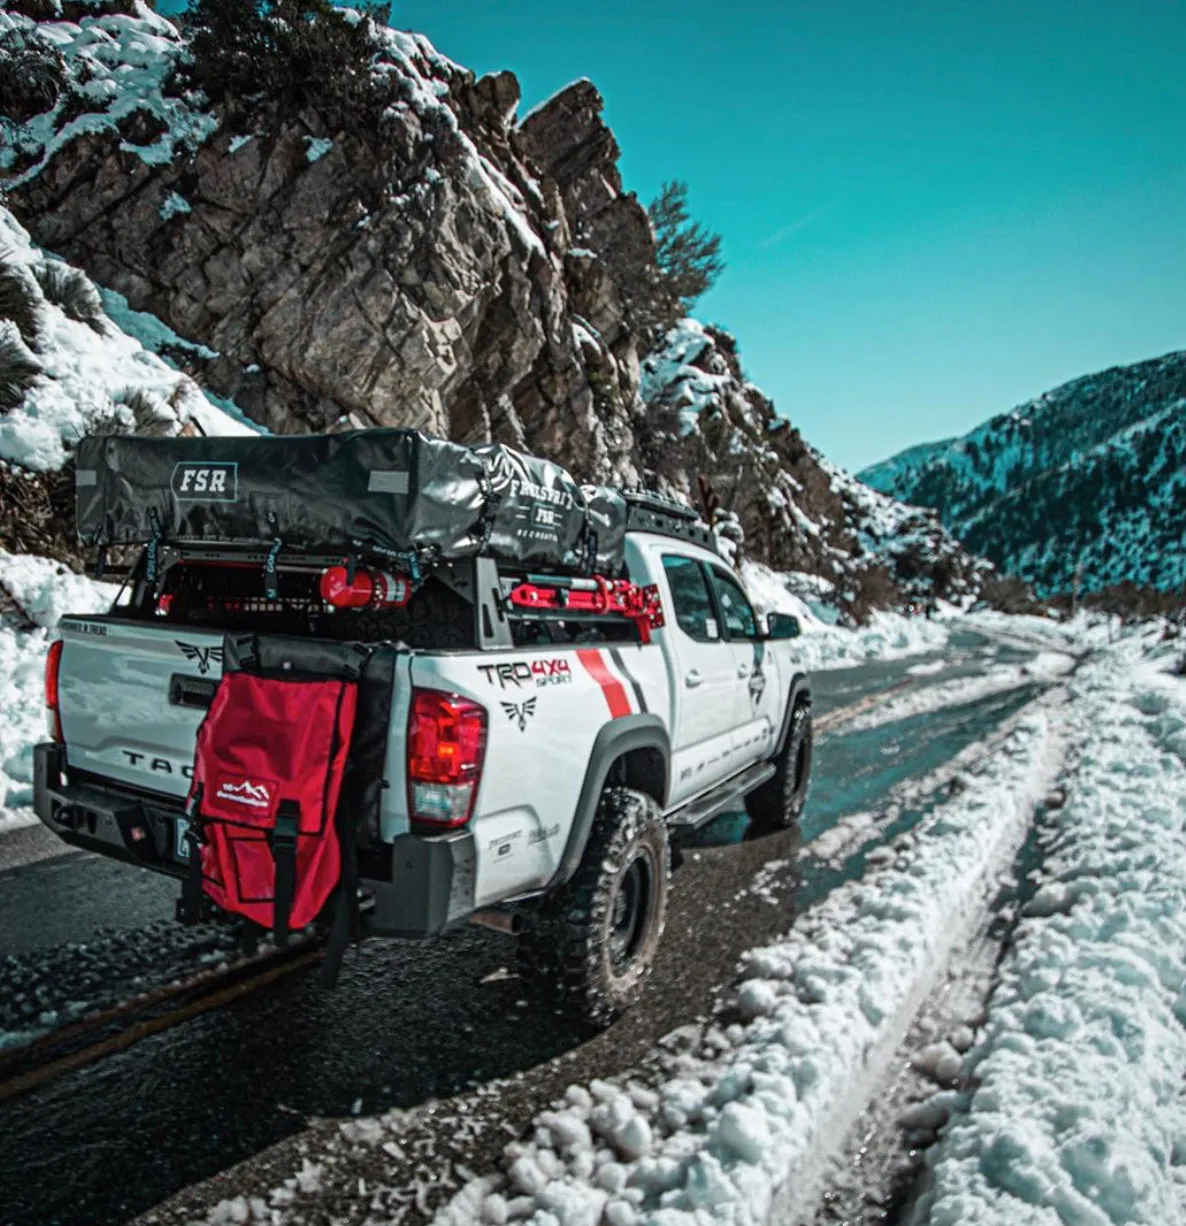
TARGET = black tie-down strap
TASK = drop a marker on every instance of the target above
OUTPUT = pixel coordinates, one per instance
(284, 845)
(347, 924)
(192, 907)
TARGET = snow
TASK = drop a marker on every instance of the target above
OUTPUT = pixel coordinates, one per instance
(739, 1130)
(175, 205)
(888, 636)
(670, 376)
(1043, 668)
(147, 329)
(317, 147)
(87, 372)
(117, 65)
(1091, 992)
(46, 592)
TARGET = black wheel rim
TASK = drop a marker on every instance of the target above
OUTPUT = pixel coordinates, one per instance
(631, 912)
(801, 766)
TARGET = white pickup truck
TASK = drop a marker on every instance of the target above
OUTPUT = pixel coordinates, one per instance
(595, 749)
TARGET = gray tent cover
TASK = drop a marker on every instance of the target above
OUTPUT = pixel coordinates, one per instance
(386, 492)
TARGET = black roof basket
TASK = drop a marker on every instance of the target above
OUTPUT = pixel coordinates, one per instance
(647, 511)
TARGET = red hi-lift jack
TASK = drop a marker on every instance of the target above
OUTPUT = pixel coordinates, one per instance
(596, 596)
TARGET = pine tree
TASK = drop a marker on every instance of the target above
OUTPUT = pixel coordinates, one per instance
(688, 255)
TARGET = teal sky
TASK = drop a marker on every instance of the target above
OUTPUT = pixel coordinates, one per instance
(930, 211)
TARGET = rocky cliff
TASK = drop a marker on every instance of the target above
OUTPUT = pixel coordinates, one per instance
(444, 265)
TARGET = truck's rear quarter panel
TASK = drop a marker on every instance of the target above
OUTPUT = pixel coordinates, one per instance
(546, 708)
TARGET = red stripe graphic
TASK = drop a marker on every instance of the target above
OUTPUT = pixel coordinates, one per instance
(611, 687)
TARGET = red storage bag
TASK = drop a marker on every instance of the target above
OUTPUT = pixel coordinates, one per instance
(268, 771)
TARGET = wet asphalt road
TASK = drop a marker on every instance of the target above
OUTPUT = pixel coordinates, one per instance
(408, 1023)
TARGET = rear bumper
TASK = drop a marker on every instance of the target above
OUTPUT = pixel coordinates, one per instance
(119, 824)
(413, 888)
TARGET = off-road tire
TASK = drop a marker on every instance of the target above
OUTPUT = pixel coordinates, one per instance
(778, 803)
(587, 951)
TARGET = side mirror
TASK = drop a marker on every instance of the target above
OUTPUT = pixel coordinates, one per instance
(782, 626)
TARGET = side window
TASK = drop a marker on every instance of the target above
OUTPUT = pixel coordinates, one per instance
(689, 593)
(736, 611)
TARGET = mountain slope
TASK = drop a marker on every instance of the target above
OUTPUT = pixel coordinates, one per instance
(1085, 485)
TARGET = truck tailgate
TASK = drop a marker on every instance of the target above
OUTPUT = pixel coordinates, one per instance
(132, 697)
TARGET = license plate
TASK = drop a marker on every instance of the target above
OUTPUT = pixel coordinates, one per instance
(182, 851)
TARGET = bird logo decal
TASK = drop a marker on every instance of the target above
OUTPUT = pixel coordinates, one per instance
(203, 657)
(520, 712)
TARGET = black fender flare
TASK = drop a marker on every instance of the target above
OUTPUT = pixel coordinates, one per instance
(618, 737)
(799, 692)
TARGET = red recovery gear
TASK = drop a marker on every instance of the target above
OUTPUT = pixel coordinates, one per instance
(268, 771)
(641, 605)
(374, 589)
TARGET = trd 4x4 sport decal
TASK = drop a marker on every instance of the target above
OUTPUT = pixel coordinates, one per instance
(540, 673)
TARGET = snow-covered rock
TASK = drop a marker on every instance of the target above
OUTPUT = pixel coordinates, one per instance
(793, 509)
(90, 371)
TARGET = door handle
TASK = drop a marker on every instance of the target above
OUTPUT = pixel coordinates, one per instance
(743, 670)
(693, 678)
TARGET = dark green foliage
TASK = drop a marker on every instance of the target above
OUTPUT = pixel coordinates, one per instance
(113, 419)
(71, 290)
(32, 74)
(18, 300)
(18, 369)
(1007, 594)
(1131, 602)
(37, 513)
(37, 10)
(688, 255)
(297, 54)
(134, 411)
(870, 590)
(150, 414)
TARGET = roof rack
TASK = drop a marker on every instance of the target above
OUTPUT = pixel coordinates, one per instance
(647, 511)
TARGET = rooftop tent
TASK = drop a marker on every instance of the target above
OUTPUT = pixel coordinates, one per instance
(387, 492)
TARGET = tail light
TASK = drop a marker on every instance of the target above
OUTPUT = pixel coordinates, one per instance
(53, 664)
(446, 748)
